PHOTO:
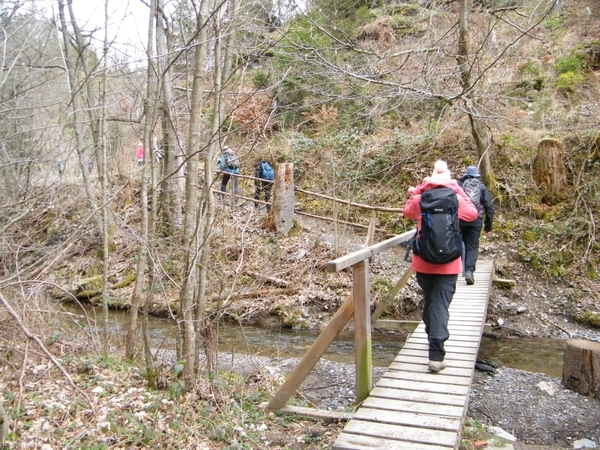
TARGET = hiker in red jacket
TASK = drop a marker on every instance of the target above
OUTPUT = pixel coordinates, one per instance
(438, 281)
(139, 154)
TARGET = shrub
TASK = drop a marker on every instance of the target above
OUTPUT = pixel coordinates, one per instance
(568, 69)
(568, 81)
(571, 63)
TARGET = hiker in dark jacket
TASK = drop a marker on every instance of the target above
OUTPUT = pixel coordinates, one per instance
(263, 184)
(438, 281)
(471, 231)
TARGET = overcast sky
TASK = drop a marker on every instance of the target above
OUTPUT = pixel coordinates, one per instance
(127, 22)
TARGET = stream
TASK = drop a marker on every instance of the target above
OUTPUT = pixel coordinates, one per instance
(529, 354)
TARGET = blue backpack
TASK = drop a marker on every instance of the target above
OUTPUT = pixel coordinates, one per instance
(267, 172)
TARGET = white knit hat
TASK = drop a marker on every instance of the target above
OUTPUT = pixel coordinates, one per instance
(440, 171)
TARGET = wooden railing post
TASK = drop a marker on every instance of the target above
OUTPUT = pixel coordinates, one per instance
(362, 330)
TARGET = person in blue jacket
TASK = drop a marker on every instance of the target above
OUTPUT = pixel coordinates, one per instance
(229, 164)
(263, 182)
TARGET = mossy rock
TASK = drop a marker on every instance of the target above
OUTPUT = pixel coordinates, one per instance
(118, 303)
(590, 318)
(540, 212)
(130, 278)
(277, 310)
(89, 284)
(165, 309)
(295, 319)
(530, 236)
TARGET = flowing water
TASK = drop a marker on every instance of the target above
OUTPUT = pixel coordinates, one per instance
(530, 354)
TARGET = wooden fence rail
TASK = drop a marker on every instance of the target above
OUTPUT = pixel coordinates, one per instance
(348, 203)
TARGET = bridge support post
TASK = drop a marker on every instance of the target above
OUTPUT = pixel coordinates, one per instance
(362, 330)
(333, 328)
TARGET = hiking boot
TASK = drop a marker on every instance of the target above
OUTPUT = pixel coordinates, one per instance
(436, 366)
(469, 278)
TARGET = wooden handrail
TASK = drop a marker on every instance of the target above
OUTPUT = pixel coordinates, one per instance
(349, 260)
(357, 304)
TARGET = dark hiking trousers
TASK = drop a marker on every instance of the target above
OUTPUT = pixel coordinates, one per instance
(262, 188)
(225, 181)
(438, 291)
(470, 236)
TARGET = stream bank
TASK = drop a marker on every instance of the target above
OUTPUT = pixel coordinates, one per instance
(533, 407)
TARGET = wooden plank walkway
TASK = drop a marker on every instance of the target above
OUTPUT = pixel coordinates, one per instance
(413, 409)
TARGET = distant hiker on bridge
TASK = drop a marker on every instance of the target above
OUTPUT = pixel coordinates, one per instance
(471, 231)
(437, 204)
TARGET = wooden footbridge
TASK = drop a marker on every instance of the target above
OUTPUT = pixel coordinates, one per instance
(409, 407)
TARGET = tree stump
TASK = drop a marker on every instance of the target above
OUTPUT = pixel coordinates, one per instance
(282, 213)
(4, 419)
(550, 170)
(581, 367)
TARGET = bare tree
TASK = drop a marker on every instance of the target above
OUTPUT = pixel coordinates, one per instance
(172, 145)
(190, 227)
(78, 112)
(148, 182)
(478, 128)
(221, 74)
(103, 171)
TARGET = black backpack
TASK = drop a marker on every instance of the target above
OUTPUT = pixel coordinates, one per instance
(472, 187)
(439, 240)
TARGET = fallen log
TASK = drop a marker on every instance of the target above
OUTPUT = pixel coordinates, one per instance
(504, 283)
(253, 294)
(276, 281)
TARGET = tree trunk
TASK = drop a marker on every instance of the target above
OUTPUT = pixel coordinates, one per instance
(581, 367)
(78, 108)
(223, 62)
(550, 170)
(171, 148)
(478, 128)
(463, 44)
(103, 172)
(187, 332)
(90, 84)
(484, 145)
(149, 109)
